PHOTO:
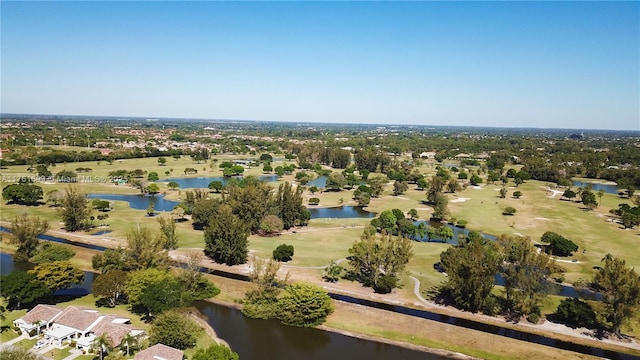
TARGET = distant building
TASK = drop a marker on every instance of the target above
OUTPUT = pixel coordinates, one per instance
(428, 154)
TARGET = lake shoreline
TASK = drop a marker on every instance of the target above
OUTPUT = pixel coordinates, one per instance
(409, 346)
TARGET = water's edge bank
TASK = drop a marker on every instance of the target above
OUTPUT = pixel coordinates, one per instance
(409, 346)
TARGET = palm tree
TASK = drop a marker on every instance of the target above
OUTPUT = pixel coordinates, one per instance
(102, 342)
(37, 323)
(600, 195)
(130, 342)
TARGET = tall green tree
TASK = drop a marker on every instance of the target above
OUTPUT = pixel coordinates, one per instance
(335, 181)
(161, 296)
(525, 272)
(440, 207)
(139, 280)
(377, 261)
(442, 233)
(620, 289)
(249, 200)
(226, 237)
(110, 259)
(144, 250)
(287, 204)
(25, 230)
(471, 268)
(58, 275)
(168, 232)
(19, 287)
(400, 187)
(194, 282)
(110, 286)
(74, 210)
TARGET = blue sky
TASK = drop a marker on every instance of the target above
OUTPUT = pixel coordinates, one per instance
(520, 64)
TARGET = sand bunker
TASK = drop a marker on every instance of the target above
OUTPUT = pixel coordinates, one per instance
(462, 199)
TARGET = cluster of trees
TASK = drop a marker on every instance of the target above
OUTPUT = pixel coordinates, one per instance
(396, 223)
(619, 286)
(298, 304)
(249, 206)
(230, 169)
(21, 288)
(473, 264)
(371, 159)
(629, 216)
(141, 272)
(332, 156)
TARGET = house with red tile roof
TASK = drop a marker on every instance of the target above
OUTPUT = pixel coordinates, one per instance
(81, 325)
(160, 352)
(40, 317)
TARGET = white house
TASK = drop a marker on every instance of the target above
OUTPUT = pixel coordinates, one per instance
(74, 323)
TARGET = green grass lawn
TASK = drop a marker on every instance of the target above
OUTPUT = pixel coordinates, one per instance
(6, 333)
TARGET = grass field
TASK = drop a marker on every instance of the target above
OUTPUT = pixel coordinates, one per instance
(538, 211)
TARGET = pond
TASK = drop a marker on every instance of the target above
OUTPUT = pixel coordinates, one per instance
(341, 212)
(609, 189)
(203, 182)
(139, 201)
(457, 231)
(321, 182)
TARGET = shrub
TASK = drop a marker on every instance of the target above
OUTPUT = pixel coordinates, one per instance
(533, 318)
(462, 223)
(385, 283)
(509, 210)
(283, 253)
(576, 312)
(304, 305)
(314, 201)
(517, 194)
